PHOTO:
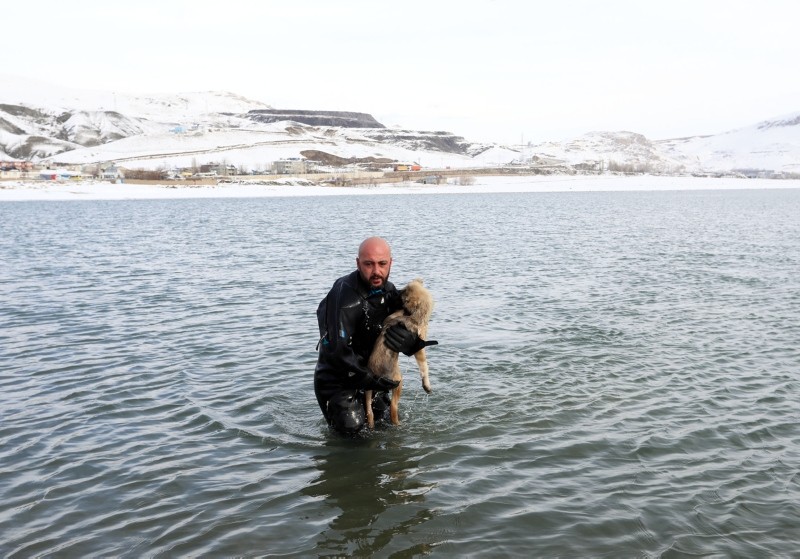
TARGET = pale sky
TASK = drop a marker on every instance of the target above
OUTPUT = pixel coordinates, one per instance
(495, 70)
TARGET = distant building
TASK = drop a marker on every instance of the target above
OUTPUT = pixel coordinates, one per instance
(14, 169)
(407, 167)
(10, 173)
(589, 165)
(217, 169)
(290, 167)
(59, 175)
(112, 173)
(431, 179)
(19, 165)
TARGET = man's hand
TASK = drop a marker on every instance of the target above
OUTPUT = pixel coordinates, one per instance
(399, 339)
(382, 384)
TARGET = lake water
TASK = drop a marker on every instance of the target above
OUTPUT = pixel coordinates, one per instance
(618, 375)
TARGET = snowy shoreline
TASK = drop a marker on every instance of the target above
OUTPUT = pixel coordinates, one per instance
(15, 191)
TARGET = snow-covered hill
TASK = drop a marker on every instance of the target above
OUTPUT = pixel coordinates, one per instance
(606, 150)
(772, 145)
(42, 122)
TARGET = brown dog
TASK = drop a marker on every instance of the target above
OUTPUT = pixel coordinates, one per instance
(416, 311)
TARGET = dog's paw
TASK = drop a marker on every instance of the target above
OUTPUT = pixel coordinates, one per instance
(427, 387)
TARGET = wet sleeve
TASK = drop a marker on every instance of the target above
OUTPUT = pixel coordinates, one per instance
(343, 314)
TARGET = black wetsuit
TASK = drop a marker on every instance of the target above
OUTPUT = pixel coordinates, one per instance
(350, 319)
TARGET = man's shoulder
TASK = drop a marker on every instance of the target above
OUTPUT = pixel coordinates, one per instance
(347, 286)
(349, 280)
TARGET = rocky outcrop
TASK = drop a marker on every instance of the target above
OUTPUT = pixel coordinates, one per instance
(421, 141)
(341, 119)
(336, 161)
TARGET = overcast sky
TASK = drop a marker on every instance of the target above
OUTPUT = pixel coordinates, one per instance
(499, 70)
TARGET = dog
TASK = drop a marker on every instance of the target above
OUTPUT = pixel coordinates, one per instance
(415, 314)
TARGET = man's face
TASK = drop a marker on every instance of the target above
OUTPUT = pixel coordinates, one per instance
(374, 263)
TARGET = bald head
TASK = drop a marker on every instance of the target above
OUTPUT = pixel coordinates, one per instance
(372, 244)
(374, 261)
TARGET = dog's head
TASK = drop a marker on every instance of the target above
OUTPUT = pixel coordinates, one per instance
(417, 301)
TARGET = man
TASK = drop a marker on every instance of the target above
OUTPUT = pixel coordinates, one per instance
(350, 319)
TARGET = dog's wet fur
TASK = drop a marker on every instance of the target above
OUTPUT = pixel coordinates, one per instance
(415, 314)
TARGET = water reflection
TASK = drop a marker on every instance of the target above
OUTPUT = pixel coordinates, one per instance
(375, 486)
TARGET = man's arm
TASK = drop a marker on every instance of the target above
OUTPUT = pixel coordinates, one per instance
(344, 312)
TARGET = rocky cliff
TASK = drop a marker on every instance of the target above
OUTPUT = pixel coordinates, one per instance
(341, 119)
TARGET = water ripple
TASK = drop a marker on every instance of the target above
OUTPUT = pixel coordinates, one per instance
(617, 375)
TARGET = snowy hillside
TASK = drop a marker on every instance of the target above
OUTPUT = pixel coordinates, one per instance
(256, 147)
(605, 150)
(39, 122)
(157, 107)
(770, 145)
(43, 123)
